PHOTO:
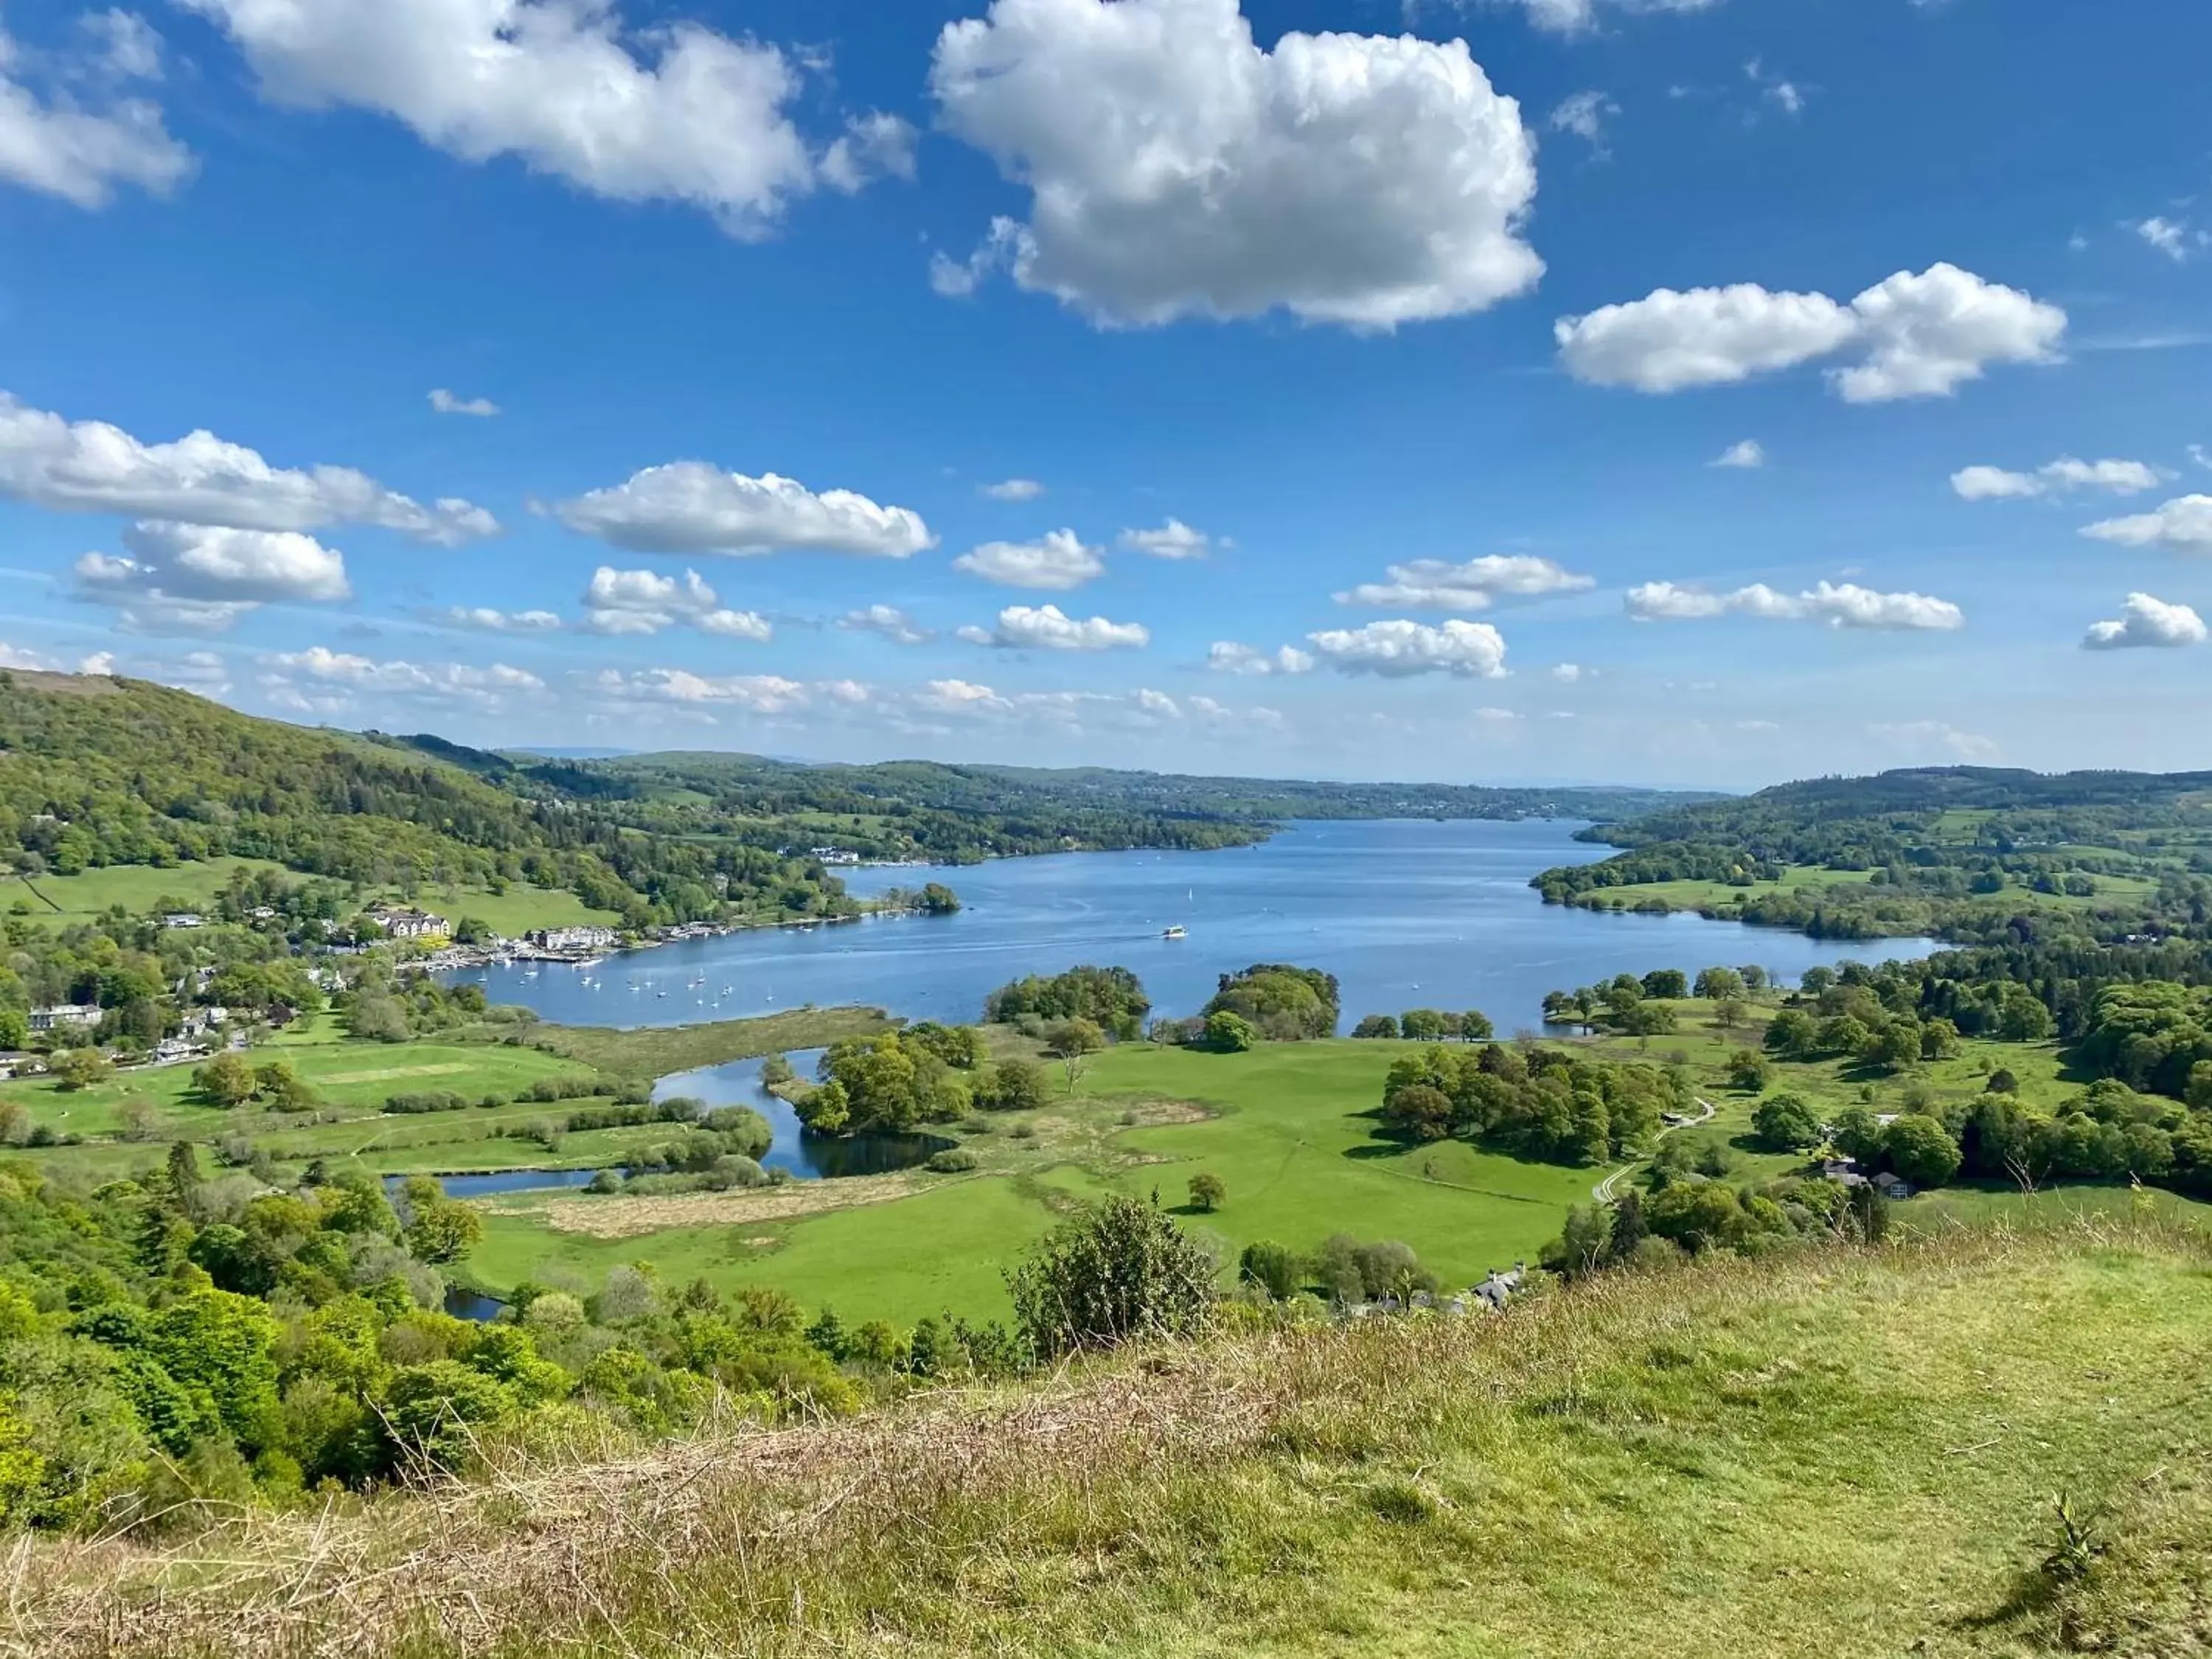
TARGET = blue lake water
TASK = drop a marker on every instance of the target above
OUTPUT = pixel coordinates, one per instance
(1405, 913)
(738, 1083)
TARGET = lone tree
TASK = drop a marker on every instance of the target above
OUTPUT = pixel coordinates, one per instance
(1121, 1271)
(1072, 1042)
(1208, 1192)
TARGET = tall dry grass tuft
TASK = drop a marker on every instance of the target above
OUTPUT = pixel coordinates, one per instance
(821, 1538)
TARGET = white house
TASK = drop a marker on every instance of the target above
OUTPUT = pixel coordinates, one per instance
(573, 939)
(65, 1015)
(184, 918)
(409, 924)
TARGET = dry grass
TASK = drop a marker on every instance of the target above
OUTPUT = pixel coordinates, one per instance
(1838, 1453)
(632, 1218)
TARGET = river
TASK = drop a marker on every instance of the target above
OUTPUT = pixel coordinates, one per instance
(1407, 914)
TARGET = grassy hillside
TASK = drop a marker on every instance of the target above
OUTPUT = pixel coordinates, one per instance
(1836, 1453)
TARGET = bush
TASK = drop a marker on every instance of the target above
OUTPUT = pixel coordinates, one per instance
(1123, 1270)
(1785, 1123)
(1354, 1272)
(953, 1160)
(1230, 1033)
(1274, 1268)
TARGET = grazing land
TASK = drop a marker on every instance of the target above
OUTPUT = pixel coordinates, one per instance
(1855, 1453)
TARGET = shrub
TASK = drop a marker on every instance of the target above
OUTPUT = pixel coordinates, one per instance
(1785, 1123)
(1273, 1268)
(954, 1160)
(1123, 1270)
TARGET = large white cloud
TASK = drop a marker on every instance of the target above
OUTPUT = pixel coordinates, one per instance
(1057, 561)
(695, 117)
(2184, 524)
(646, 601)
(201, 579)
(1176, 169)
(57, 146)
(1985, 483)
(1399, 648)
(1229, 657)
(1439, 585)
(90, 466)
(690, 506)
(1918, 335)
(1045, 627)
(1843, 605)
(2146, 621)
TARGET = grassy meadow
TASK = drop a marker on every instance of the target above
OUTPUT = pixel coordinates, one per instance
(1850, 1453)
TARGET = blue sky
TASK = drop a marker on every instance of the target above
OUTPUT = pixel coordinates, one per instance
(1288, 389)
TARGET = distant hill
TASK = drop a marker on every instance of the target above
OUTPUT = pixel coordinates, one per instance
(1971, 853)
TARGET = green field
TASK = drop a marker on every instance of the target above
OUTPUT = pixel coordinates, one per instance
(138, 887)
(516, 911)
(1285, 1127)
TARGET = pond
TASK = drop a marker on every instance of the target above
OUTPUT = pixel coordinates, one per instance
(738, 1083)
(1405, 913)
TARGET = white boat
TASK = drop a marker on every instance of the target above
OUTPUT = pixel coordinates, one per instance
(1176, 933)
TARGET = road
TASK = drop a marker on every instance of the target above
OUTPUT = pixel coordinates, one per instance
(1606, 1190)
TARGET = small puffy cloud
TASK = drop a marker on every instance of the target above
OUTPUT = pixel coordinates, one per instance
(16, 656)
(888, 620)
(1747, 455)
(1919, 336)
(1157, 703)
(1567, 673)
(1227, 657)
(1057, 562)
(50, 142)
(89, 466)
(2169, 237)
(959, 697)
(1014, 489)
(321, 681)
(1439, 585)
(1497, 719)
(1986, 484)
(2184, 525)
(690, 506)
(1177, 169)
(1173, 540)
(1044, 627)
(1584, 114)
(2201, 455)
(1840, 605)
(2144, 621)
(488, 619)
(1401, 649)
(1573, 17)
(758, 694)
(644, 602)
(445, 402)
(695, 116)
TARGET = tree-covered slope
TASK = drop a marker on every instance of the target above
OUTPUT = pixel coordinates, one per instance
(96, 772)
(1969, 853)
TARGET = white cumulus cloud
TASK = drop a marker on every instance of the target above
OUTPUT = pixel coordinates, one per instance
(1057, 561)
(2184, 524)
(1746, 456)
(1839, 604)
(488, 619)
(1045, 627)
(201, 578)
(1177, 169)
(89, 466)
(1014, 489)
(2146, 621)
(1439, 585)
(1227, 657)
(1173, 540)
(321, 681)
(1918, 336)
(1401, 649)
(690, 506)
(1983, 484)
(644, 602)
(759, 694)
(668, 111)
(51, 143)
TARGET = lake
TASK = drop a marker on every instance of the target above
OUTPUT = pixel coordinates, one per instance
(1405, 913)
